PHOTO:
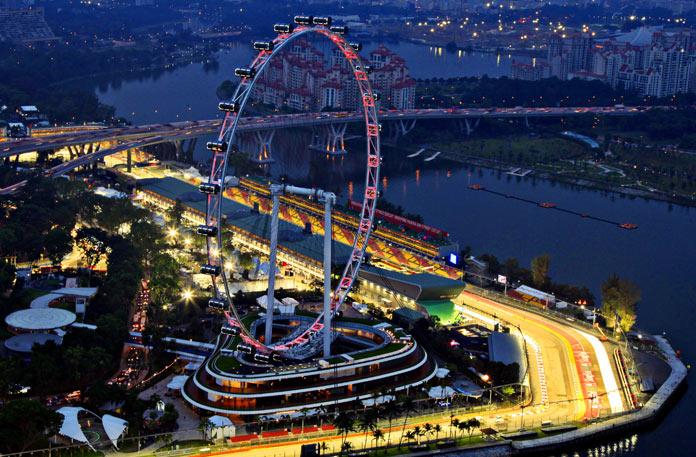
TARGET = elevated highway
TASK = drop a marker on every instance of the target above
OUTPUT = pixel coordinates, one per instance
(190, 129)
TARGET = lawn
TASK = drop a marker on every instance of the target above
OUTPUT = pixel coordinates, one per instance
(226, 364)
(391, 347)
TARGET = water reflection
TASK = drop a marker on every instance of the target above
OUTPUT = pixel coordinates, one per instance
(609, 449)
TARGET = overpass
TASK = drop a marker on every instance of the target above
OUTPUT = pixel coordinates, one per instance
(404, 121)
(330, 140)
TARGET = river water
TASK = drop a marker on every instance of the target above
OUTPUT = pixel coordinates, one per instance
(659, 255)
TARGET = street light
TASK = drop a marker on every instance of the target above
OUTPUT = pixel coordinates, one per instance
(187, 295)
(172, 232)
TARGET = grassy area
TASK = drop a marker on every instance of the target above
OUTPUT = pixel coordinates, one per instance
(28, 295)
(357, 320)
(391, 347)
(186, 444)
(304, 312)
(226, 363)
(519, 149)
(335, 360)
(249, 319)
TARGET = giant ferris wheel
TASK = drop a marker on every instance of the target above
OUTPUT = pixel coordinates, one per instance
(218, 179)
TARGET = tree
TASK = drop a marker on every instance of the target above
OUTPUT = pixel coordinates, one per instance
(437, 429)
(428, 429)
(407, 406)
(391, 412)
(7, 276)
(454, 425)
(176, 212)
(145, 236)
(58, 243)
(92, 242)
(86, 364)
(164, 279)
(344, 423)
(464, 426)
(472, 424)
(246, 261)
(377, 435)
(26, 424)
(367, 422)
(203, 425)
(540, 269)
(10, 373)
(619, 301)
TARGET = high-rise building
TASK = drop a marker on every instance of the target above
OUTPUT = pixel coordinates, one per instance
(303, 79)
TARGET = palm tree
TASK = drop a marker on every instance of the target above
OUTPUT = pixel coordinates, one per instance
(323, 447)
(419, 432)
(367, 422)
(391, 412)
(437, 429)
(346, 447)
(410, 435)
(303, 411)
(344, 424)
(464, 426)
(407, 406)
(454, 425)
(428, 429)
(203, 426)
(473, 424)
(377, 435)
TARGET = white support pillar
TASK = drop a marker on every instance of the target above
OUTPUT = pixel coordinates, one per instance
(329, 200)
(270, 294)
(406, 126)
(336, 138)
(263, 142)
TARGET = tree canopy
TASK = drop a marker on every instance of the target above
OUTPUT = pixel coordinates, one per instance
(620, 298)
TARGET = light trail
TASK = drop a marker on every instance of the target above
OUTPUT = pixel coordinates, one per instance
(611, 387)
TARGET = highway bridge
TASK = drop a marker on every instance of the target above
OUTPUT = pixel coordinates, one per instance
(190, 129)
(128, 138)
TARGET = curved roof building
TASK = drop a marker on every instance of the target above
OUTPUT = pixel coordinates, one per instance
(39, 319)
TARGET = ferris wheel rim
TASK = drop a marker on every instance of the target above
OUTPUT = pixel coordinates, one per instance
(218, 176)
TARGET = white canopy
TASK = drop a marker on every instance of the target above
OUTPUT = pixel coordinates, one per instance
(114, 427)
(442, 372)
(378, 400)
(441, 392)
(177, 382)
(290, 301)
(219, 421)
(192, 366)
(71, 425)
(283, 307)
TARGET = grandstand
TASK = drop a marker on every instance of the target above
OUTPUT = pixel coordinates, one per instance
(24, 26)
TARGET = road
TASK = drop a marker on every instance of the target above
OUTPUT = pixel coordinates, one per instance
(579, 377)
(190, 129)
(566, 358)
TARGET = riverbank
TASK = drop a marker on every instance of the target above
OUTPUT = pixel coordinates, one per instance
(577, 181)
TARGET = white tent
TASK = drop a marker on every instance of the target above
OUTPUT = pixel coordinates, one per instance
(261, 301)
(71, 427)
(177, 382)
(378, 400)
(219, 428)
(114, 427)
(441, 392)
(442, 372)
